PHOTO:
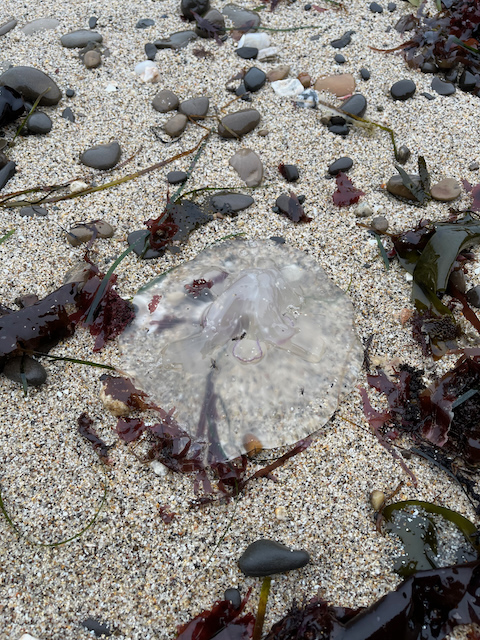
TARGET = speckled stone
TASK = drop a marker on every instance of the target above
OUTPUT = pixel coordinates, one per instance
(102, 156)
(165, 101)
(267, 557)
(446, 190)
(31, 83)
(248, 166)
(80, 38)
(240, 123)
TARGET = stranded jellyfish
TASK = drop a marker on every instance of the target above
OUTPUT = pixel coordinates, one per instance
(248, 340)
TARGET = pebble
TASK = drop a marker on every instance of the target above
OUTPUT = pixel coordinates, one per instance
(339, 129)
(234, 596)
(290, 172)
(342, 164)
(365, 74)
(267, 557)
(176, 125)
(375, 7)
(241, 16)
(427, 95)
(429, 67)
(377, 498)
(288, 88)
(248, 166)
(165, 101)
(68, 114)
(7, 172)
(195, 108)
(99, 629)
(198, 6)
(473, 296)
(31, 82)
(39, 123)
(391, 6)
(305, 79)
(144, 23)
(69, 93)
(92, 59)
(150, 51)
(247, 53)
(356, 105)
(33, 370)
(176, 40)
(11, 105)
(364, 210)
(446, 190)
(228, 203)
(339, 59)
(379, 223)
(468, 81)
(396, 187)
(342, 42)
(257, 40)
(473, 166)
(7, 26)
(240, 123)
(78, 185)
(340, 85)
(308, 99)
(147, 71)
(42, 24)
(82, 233)
(278, 73)
(457, 279)
(214, 17)
(32, 211)
(403, 89)
(92, 22)
(268, 54)
(254, 79)
(443, 88)
(102, 156)
(403, 154)
(80, 38)
(133, 240)
(287, 205)
(176, 177)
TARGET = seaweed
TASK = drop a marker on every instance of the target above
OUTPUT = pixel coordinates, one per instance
(175, 223)
(122, 390)
(86, 430)
(208, 28)
(165, 514)
(346, 194)
(475, 192)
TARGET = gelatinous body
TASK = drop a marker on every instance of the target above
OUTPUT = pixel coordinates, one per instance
(247, 338)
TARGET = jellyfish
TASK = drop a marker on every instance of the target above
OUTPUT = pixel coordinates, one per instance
(249, 339)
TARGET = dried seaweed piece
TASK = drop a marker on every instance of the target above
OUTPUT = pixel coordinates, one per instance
(346, 194)
(475, 192)
(86, 430)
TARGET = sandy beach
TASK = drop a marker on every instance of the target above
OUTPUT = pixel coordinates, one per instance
(131, 570)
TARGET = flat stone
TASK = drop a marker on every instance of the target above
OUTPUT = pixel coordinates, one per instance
(42, 24)
(267, 557)
(340, 85)
(150, 50)
(176, 40)
(7, 26)
(278, 73)
(102, 156)
(396, 187)
(80, 38)
(258, 40)
(144, 23)
(375, 7)
(364, 73)
(290, 87)
(68, 114)
(82, 233)
(241, 16)
(214, 17)
(342, 42)
(35, 373)
(254, 79)
(92, 59)
(240, 123)
(442, 87)
(31, 83)
(231, 203)
(342, 164)
(39, 123)
(176, 177)
(290, 172)
(248, 166)
(446, 190)
(176, 125)
(247, 53)
(198, 6)
(468, 81)
(32, 211)
(379, 223)
(195, 108)
(165, 101)
(403, 89)
(356, 105)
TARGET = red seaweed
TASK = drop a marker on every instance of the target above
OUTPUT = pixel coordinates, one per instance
(475, 192)
(346, 194)
(86, 430)
(165, 514)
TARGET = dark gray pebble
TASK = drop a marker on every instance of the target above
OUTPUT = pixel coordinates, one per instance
(457, 279)
(31, 83)
(278, 239)
(135, 238)
(356, 105)
(69, 93)
(403, 89)
(80, 38)
(198, 6)
(267, 557)
(254, 79)
(144, 23)
(339, 129)
(451, 75)
(473, 296)
(247, 53)
(391, 6)
(443, 88)
(403, 154)
(365, 74)
(7, 26)
(12, 105)
(290, 172)
(215, 18)
(429, 67)
(150, 51)
(375, 7)
(176, 40)
(231, 203)
(34, 210)
(39, 123)
(427, 95)
(307, 7)
(342, 164)
(92, 22)
(34, 372)
(98, 628)
(234, 596)
(7, 172)
(468, 81)
(195, 107)
(68, 114)
(342, 42)
(165, 101)
(239, 123)
(339, 59)
(102, 156)
(3, 160)
(176, 177)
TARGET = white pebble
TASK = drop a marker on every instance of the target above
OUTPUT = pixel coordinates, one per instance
(158, 468)
(78, 185)
(287, 88)
(110, 88)
(268, 54)
(148, 71)
(257, 40)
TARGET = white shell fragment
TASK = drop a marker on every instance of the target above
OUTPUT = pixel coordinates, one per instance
(287, 88)
(257, 40)
(249, 337)
(148, 71)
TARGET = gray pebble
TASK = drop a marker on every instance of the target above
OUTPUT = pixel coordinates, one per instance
(176, 40)
(457, 279)
(446, 190)
(231, 203)
(240, 123)
(195, 107)
(34, 372)
(144, 23)
(473, 296)
(31, 83)
(379, 223)
(241, 16)
(176, 125)
(7, 26)
(176, 177)
(342, 164)
(403, 89)
(68, 114)
(80, 38)
(39, 123)
(234, 596)
(248, 166)
(92, 22)
(364, 210)
(396, 187)
(102, 156)
(473, 166)
(81, 233)
(7, 172)
(92, 59)
(267, 557)
(32, 211)
(403, 154)
(150, 51)
(214, 17)
(165, 101)
(42, 24)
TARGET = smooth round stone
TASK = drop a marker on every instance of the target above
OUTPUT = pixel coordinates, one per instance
(82, 233)
(403, 89)
(7, 26)
(12, 106)
(468, 81)
(429, 67)
(150, 51)
(290, 172)
(68, 114)
(278, 73)
(342, 42)
(267, 557)
(214, 17)
(102, 156)
(144, 23)
(379, 223)
(92, 59)
(69, 93)
(176, 177)
(339, 129)
(31, 83)
(446, 190)
(165, 101)
(305, 79)
(391, 6)
(176, 125)
(258, 40)
(135, 238)
(230, 203)
(42, 24)
(39, 123)
(403, 154)
(248, 166)
(365, 74)
(176, 40)
(342, 164)
(356, 105)
(396, 187)
(254, 79)
(7, 172)
(241, 16)
(195, 107)
(457, 279)
(443, 88)
(339, 59)
(92, 22)
(364, 210)
(234, 596)
(240, 123)
(198, 6)
(290, 87)
(80, 38)
(247, 53)
(375, 7)
(340, 85)
(34, 210)
(35, 373)
(473, 296)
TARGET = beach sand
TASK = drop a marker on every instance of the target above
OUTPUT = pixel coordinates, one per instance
(130, 569)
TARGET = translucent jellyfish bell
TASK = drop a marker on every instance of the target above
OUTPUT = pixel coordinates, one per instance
(248, 339)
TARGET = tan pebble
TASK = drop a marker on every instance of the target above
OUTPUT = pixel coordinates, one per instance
(117, 407)
(251, 444)
(92, 59)
(446, 190)
(377, 498)
(281, 513)
(341, 84)
(305, 79)
(278, 73)
(404, 316)
(78, 185)
(263, 132)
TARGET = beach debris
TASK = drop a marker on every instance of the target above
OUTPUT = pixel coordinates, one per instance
(268, 557)
(85, 429)
(120, 396)
(100, 629)
(346, 194)
(231, 327)
(165, 514)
